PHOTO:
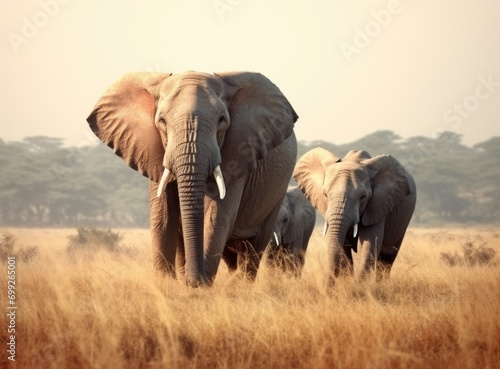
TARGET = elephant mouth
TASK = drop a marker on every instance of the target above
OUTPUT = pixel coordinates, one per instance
(351, 238)
(167, 177)
(354, 230)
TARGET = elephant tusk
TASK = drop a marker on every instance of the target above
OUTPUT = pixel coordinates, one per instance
(276, 239)
(163, 182)
(220, 182)
(355, 233)
(325, 229)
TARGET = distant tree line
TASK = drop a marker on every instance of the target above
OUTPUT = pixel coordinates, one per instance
(45, 183)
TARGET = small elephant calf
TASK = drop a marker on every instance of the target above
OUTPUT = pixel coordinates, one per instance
(292, 231)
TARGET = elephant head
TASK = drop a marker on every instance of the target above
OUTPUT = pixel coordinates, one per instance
(294, 226)
(193, 129)
(356, 191)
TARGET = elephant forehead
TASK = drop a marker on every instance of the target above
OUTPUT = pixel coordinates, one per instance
(285, 207)
(348, 173)
(205, 81)
(282, 213)
(344, 169)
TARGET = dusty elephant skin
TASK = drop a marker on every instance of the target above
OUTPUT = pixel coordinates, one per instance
(293, 229)
(218, 149)
(367, 204)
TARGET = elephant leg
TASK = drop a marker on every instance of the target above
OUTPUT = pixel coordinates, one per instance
(370, 240)
(180, 258)
(248, 259)
(299, 248)
(305, 239)
(164, 225)
(383, 265)
(280, 257)
(230, 255)
(235, 254)
(272, 255)
(258, 243)
(386, 259)
(395, 230)
(297, 256)
(347, 263)
(220, 216)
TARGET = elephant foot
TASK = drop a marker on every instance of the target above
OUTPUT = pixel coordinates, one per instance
(196, 282)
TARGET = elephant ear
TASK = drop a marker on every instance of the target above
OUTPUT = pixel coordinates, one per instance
(303, 213)
(123, 119)
(390, 185)
(261, 119)
(310, 175)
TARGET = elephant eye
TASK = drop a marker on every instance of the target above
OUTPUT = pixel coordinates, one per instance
(221, 119)
(162, 120)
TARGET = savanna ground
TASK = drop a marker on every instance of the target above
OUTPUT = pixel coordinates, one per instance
(104, 307)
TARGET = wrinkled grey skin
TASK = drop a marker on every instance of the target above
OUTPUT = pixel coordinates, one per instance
(293, 229)
(196, 127)
(376, 194)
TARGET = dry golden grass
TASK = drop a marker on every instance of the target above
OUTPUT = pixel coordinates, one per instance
(108, 310)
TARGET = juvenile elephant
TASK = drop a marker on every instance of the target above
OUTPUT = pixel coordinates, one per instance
(218, 149)
(365, 201)
(293, 229)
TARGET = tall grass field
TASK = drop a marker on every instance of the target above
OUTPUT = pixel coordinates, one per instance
(84, 299)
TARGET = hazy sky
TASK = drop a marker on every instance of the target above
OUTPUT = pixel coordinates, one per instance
(348, 67)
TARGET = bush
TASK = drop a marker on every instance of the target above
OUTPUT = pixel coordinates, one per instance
(8, 248)
(88, 241)
(7, 244)
(473, 254)
(94, 239)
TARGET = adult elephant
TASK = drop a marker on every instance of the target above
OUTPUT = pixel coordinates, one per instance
(218, 149)
(364, 200)
(293, 229)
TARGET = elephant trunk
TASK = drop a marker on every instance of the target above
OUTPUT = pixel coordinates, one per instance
(191, 199)
(193, 163)
(342, 217)
(337, 231)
